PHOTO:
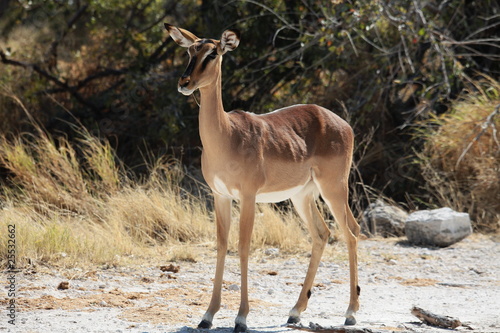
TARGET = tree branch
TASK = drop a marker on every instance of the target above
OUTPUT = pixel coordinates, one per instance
(52, 52)
(49, 77)
(489, 122)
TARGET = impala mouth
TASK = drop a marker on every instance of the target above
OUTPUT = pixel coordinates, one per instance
(185, 91)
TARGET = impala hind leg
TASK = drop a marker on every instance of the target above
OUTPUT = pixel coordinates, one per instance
(305, 205)
(336, 198)
(223, 220)
(352, 233)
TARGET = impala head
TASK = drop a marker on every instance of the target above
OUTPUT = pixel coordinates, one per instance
(205, 57)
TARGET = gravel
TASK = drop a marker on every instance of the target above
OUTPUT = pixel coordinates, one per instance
(460, 281)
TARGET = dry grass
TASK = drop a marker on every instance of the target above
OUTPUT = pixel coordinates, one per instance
(461, 159)
(277, 228)
(75, 205)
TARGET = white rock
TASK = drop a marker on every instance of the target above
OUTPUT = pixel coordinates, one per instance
(383, 219)
(234, 287)
(272, 252)
(438, 227)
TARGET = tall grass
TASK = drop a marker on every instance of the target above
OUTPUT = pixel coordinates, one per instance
(461, 158)
(74, 203)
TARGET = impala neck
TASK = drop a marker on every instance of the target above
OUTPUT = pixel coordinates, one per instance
(214, 122)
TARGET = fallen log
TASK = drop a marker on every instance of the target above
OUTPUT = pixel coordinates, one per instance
(433, 319)
(335, 329)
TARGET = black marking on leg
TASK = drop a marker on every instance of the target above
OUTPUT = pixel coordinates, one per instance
(240, 328)
(293, 320)
(359, 290)
(309, 294)
(350, 321)
(205, 324)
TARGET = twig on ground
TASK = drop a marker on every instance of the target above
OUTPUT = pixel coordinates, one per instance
(435, 320)
(334, 329)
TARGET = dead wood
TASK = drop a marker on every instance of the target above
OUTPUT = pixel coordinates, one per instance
(434, 319)
(335, 329)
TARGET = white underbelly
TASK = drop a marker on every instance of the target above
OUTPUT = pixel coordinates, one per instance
(278, 195)
(222, 189)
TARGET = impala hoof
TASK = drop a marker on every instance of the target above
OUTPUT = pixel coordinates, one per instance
(240, 328)
(350, 321)
(293, 320)
(205, 324)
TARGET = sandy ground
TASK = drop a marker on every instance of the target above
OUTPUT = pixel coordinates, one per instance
(461, 281)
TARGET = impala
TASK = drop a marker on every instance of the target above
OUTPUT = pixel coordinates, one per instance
(298, 153)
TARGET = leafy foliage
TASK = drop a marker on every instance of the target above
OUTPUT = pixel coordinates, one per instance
(385, 65)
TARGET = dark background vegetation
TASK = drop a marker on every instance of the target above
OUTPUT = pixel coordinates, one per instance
(394, 69)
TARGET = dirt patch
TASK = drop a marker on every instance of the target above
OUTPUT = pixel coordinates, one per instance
(460, 281)
(419, 282)
(180, 305)
(84, 303)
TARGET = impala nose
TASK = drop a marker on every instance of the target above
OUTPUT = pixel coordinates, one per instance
(184, 81)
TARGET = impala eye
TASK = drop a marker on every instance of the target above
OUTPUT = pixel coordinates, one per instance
(208, 58)
(212, 55)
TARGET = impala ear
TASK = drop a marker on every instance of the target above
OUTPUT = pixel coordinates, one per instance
(181, 36)
(229, 41)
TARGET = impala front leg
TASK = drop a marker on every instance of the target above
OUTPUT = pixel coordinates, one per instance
(247, 216)
(223, 218)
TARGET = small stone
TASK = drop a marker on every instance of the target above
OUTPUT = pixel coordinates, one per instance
(63, 285)
(170, 268)
(392, 262)
(234, 287)
(272, 252)
(270, 291)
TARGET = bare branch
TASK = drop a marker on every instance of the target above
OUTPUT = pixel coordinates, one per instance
(489, 122)
(435, 45)
(281, 18)
(483, 29)
(360, 34)
(49, 77)
(52, 52)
